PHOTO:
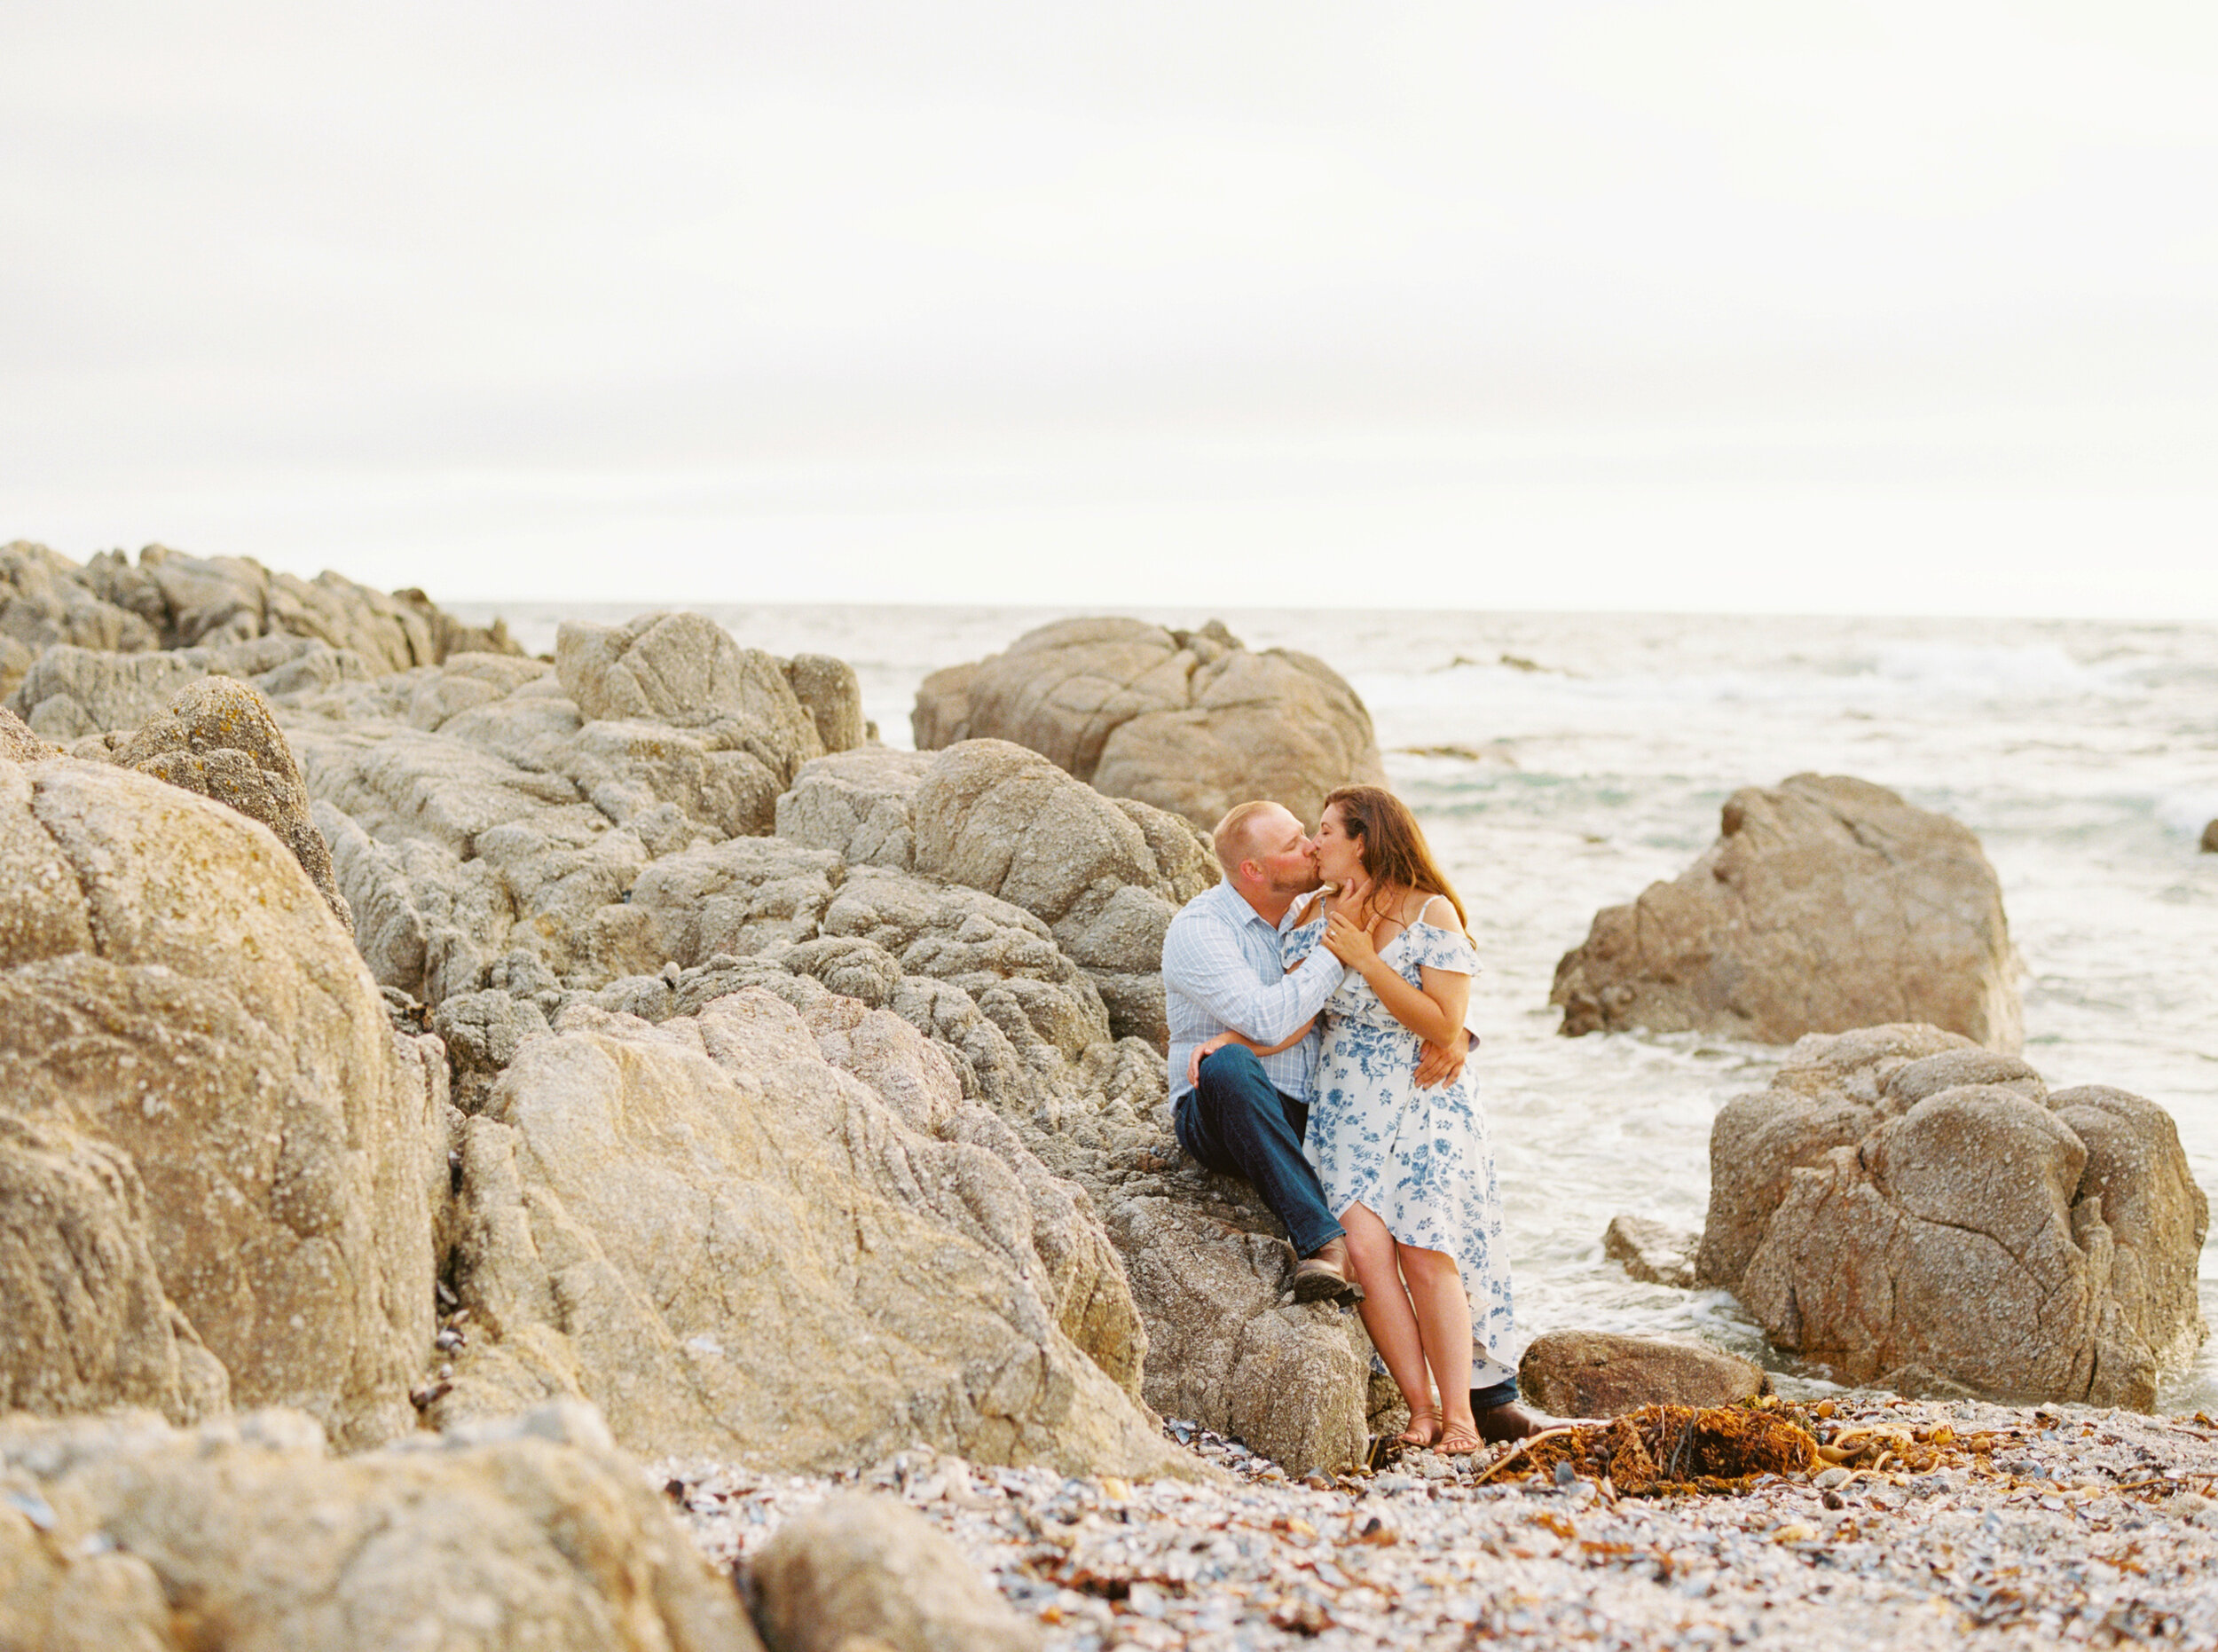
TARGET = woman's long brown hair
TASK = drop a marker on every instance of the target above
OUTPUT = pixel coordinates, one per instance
(1393, 847)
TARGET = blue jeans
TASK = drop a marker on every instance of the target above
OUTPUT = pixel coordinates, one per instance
(1500, 1394)
(1238, 1123)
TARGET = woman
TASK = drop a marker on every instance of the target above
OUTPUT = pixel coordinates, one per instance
(1409, 1172)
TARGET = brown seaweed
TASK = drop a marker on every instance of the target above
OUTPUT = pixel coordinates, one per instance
(1663, 1447)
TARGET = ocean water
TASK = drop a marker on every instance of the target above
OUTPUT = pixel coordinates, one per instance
(1560, 763)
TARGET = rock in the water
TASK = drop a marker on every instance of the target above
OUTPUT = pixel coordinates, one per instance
(731, 1243)
(869, 1571)
(172, 987)
(1910, 1209)
(1595, 1374)
(1827, 904)
(535, 1538)
(2210, 839)
(219, 738)
(1653, 1251)
(1190, 721)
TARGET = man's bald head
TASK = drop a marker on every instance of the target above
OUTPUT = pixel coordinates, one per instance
(1250, 830)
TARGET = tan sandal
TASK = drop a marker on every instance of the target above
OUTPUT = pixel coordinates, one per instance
(1424, 1427)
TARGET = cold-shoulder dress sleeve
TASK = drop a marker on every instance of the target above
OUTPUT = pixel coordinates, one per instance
(1433, 945)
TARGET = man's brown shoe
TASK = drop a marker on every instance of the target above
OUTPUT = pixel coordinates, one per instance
(1324, 1276)
(1498, 1423)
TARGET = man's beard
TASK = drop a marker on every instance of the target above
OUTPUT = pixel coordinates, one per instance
(1300, 884)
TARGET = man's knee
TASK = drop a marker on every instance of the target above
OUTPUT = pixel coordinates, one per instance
(1233, 1069)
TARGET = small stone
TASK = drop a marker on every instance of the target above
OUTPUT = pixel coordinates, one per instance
(32, 1506)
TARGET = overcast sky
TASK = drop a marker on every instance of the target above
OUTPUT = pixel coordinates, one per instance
(1889, 307)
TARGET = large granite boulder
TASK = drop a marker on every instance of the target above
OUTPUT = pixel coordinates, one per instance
(731, 1243)
(1910, 1209)
(535, 1536)
(1190, 721)
(220, 738)
(1826, 904)
(197, 1069)
(1105, 876)
(1228, 1347)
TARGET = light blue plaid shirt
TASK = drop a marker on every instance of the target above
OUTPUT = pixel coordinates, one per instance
(1222, 973)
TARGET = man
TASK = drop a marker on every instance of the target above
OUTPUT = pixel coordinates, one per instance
(1243, 1114)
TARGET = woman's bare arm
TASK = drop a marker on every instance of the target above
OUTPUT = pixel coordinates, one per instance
(1434, 1012)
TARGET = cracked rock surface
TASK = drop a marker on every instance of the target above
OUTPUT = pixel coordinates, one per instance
(197, 1074)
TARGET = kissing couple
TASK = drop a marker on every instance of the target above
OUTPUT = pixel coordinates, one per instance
(1317, 1000)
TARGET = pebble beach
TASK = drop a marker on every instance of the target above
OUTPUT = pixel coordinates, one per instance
(2030, 1527)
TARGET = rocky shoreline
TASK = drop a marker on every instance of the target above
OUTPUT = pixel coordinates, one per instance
(2062, 1524)
(507, 1072)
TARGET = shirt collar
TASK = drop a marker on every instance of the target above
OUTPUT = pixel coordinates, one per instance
(1241, 912)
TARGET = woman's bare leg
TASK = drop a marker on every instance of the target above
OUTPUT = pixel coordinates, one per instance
(1387, 1314)
(1442, 1313)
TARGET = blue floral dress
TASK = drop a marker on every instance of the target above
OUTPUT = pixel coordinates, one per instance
(1422, 1159)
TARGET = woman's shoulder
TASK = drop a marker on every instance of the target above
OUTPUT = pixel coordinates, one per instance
(1307, 912)
(1421, 906)
(1436, 935)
